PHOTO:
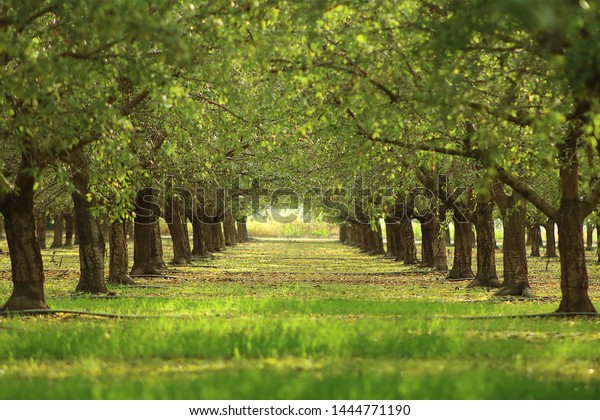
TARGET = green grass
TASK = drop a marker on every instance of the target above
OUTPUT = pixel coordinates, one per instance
(297, 319)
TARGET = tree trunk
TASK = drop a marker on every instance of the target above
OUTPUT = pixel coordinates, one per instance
(144, 237)
(177, 224)
(156, 248)
(118, 262)
(550, 239)
(376, 239)
(229, 230)
(40, 230)
(25, 256)
(486, 245)
(426, 245)
(463, 253)
(75, 235)
(343, 232)
(448, 237)
(91, 241)
(573, 272)
(392, 248)
(598, 243)
(244, 228)
(69, 228)
(198, 239)
(407, 237)
(434, 244)
(514, 248)
(589, 231)
(536, 240)
(58, 231)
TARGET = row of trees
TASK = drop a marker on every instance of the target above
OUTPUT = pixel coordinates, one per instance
(501, 98)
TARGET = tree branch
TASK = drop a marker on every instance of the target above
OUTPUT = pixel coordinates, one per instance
(590, 202)
(527, 192)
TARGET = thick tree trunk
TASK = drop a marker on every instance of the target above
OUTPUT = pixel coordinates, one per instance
(69, 228)
(407, 237)
(550, 239)
(573, 272)
(40, 230)
(57, 240)
(229, 230)
(198, 239)
(177, 224)
(589, 233)
(392, 245)
(426, 245)
(242, 230)
(243, 226)
(486, 246)
(156, 248)
(2, 236)
(536, 240)
(25, 257)
(144, 237)
(343, 229)
(91, 241)
(434, 244)
(514, 248)
(118, 262)
(463, 252)
(376, 239)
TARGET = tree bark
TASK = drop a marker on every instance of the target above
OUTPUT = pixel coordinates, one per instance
(589, 231)
(229, 230)
(156, 247)
(392, 249)
(407, 237)
(91, 241)
(144, 236)
(536, 240)
(27, 271)
(426, 244)
(242, 225)
(434, 243)
(40, 230)
(514, 249)
(177, 224)
(69, 228)
(486, 245)
(550, 239)
(118, 262)
(574, 282)
(199, 239)
(463, 253)
(57, 241)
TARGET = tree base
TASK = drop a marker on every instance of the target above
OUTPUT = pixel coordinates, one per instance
(122, 279)
(22, 303)
(524, 291)
(490, 283)
(459, 275)
(147, 270)
(180, 261)
(580, 304)
(94, 289)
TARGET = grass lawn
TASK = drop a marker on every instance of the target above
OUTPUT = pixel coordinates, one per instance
(300, 319)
